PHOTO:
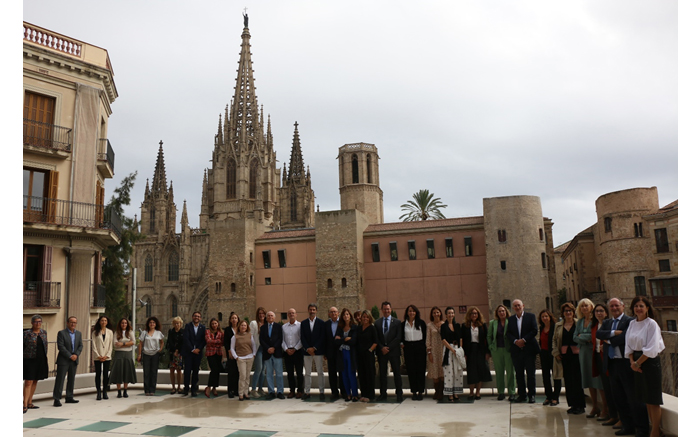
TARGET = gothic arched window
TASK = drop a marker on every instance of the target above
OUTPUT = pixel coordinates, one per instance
(293, 206)
(355, 170)
(152, 220)
(369, 170)
(149, 306)
(173, 266)
(253, 179)
(231, 179)
(148, 269)
(172, 303)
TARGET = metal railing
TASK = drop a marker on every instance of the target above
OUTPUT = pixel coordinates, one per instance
(49, 136)
(67, 213)
(105, 152)
(98, 295)
(38, 294)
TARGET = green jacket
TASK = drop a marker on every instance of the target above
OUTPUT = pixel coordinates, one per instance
(491, 335)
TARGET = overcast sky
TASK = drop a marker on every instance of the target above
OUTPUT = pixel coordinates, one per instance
(563, 100)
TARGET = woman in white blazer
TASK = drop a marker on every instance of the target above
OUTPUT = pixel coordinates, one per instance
(102, 347)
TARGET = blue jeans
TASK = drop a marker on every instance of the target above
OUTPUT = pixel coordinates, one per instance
(274, 365)
(259, 373)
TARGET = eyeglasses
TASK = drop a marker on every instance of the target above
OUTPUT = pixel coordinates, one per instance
(36, 321)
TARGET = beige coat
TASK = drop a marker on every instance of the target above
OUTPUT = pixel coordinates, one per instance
(557, 369)
(103, 348)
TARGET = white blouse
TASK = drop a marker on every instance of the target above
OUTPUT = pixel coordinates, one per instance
(255, 330)
(644, 336)
(412, 333)
(151, 344)
(475, 334)
(126, 339)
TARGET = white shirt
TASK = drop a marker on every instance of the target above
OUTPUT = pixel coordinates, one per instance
(311, 323)
(255, 329)
(151, 344)
(291, 338)
(644, 336)
(475, 334)
(412, 333)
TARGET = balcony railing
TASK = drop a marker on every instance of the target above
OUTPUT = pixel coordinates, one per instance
(66, 213)
(98, 296)
(48, 136)
(664, 301)
(39, 294)
(106, 153)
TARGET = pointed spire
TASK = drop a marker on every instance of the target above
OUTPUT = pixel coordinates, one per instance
(160, 185)
(284, 174)
(296, 162)
(219, 135)
(184, 222)
(269, 133)
(170, 191)
(204, 188)
(147, 193)
(244, 111)
(308, 173)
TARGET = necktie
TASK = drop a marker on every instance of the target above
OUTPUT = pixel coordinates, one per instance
(386, 324)
(269, 331)
(611, 348)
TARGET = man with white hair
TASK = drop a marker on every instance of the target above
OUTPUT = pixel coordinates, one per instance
(271, 336)
(522, 333)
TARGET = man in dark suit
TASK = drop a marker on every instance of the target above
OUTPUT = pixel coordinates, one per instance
(70, 344)
(631, 410)
(313, 342)
(193, 343)
(271, 336)
(330, 328)
(522, 333)
(389, 333)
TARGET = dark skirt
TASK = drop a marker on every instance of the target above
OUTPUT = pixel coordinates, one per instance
(477, 367)
(36, 369)
(123, 370)
(647, 385)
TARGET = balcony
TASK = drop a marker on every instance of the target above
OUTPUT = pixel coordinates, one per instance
(82, 216)
(105, 158)
(98, 296)
(39, 294)
(664, 301)
(47, 139)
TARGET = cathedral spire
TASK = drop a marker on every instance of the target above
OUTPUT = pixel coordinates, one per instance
(296, 162)
(204, 188)
(269, 133)
(244, 111)
(184, 222)
(160, 185)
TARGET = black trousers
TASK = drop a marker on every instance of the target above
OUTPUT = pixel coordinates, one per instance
(612, 409)
(547, 361)
(191, 362)
(295, 364)
(233, 377)
(366, 373)
(631, 410)
(334, 369)
(395, 361)
(61, 371)
(214, 370)
(524, 361)
(414, 353)
(102, 372)
(575, 397)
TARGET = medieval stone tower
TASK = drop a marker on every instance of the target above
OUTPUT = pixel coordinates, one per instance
(296, 198)
(358, 167)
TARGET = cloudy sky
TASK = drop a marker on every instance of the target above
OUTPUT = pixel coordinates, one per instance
(563, 100)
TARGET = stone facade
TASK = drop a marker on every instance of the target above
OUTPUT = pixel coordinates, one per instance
(358, 170)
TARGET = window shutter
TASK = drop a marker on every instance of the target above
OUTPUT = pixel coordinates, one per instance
(53, 195)
(98, 267)
(48, 255)
(99, 204)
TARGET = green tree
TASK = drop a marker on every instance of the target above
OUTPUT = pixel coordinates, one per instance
(375, 312)
(422, 207)
(116, 265)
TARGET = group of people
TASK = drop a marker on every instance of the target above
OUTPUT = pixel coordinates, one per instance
(597, 347)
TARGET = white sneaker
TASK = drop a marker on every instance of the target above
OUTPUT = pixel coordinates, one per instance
(254, 394)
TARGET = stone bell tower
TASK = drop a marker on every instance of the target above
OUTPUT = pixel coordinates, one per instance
(358, 166)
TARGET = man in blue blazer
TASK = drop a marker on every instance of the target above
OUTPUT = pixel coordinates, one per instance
(390, 333)
(631, 410)
(271, 336)
(313, 342)
(522, 335)
(70, 344)
(193, 343)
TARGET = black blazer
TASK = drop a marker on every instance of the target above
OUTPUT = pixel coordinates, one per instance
(65, 348)
(275, 340)
(191, 341)
(606, 333)
(528, 331)
(421, 325)
(315, 339)
(174, 342)
(329, 340)
(393, 336)
(352, 343)
(228, 335)
(467, 339)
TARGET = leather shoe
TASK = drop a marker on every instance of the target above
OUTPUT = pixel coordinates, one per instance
(521, 399)
(335, 397)
(299, 395)
(306, 396)
(399, 398)
(271, 396)
(290, 395)
(56, 403)
(194, 394)
(280, 396)
(624, 432)
(531, 400)
(71, 401)
(382, 397)
(501, 397)
(322, 397)
(185, 392)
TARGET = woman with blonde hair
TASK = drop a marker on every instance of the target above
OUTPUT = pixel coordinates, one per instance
(499, 346)
(367, 339)
(174, 345)
(476, 351)
(584, 339)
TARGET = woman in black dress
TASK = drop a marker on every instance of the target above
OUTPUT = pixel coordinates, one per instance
(35, 366)
(366, 344)
(174, 345)
(565, 349)
(414, 350)
(476, 351)
(231, 364)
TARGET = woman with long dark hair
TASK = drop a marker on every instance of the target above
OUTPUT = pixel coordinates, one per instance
(414, 350)
(608, 412)
(367, 339)
(451, 335)
(476, 351)
(499, 346)
(102, 347)
(35, 364)
(231, 364)
(123, 370)
(345, 343)
(551, 369)
(565, 349)
(150, 347)
(174, 346)
(643, 343)
(258, 364)
(433, 347)
(214, 351)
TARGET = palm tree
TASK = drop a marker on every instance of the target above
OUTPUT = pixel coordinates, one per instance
(422, 207)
